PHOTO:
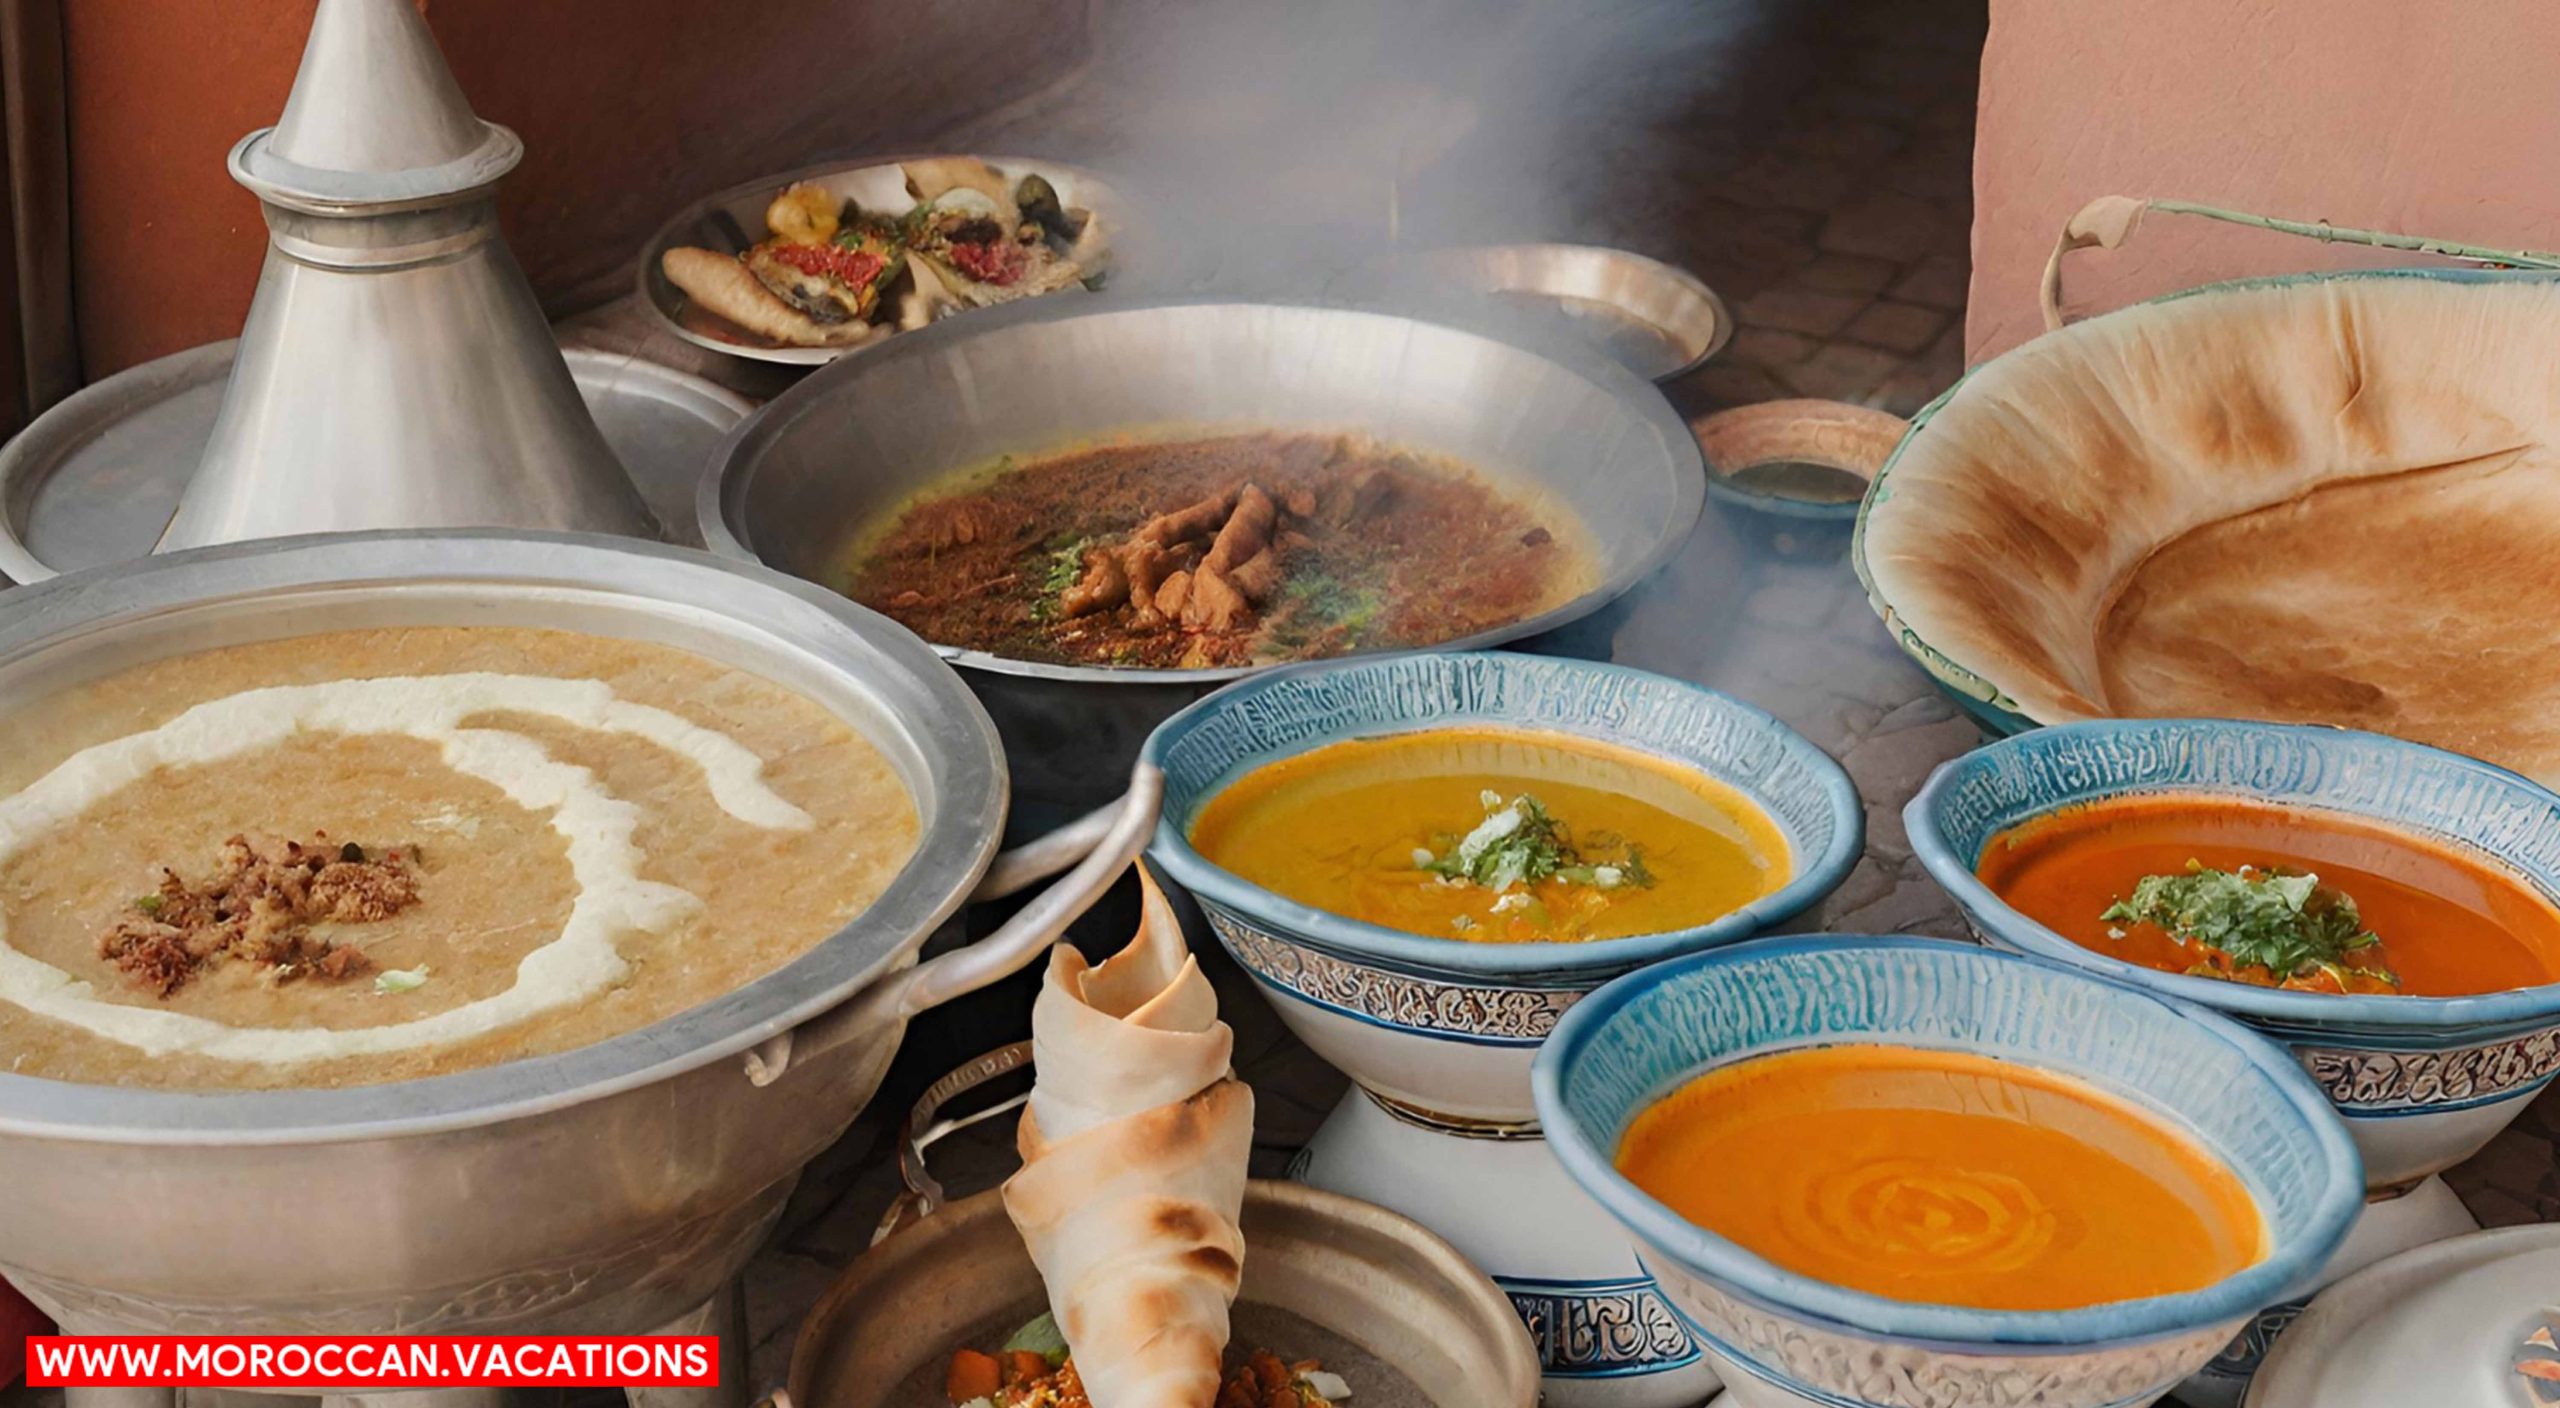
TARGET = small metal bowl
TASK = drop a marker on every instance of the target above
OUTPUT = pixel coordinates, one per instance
(1659, 322)
(1394, 1310)
(734, 219)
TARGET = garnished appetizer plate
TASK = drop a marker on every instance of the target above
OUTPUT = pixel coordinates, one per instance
(804, 267)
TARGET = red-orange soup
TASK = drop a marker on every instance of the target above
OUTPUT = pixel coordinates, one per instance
(2452, 923)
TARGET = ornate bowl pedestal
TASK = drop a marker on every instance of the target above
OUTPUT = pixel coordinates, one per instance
(1604, 1334)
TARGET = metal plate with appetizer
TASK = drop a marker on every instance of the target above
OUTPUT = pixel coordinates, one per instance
(807, 267)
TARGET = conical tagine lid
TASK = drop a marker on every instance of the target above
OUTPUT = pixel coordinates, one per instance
(395, 370)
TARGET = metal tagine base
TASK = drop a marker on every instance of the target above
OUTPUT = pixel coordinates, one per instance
(93, 480)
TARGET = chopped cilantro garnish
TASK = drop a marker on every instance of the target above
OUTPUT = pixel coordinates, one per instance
(2292, 926)
(1318, 601)
(148, 904)
(1521, 842)
(1064, 569)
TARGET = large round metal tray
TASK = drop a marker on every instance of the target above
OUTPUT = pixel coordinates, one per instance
(95, 479)
(818, 464)
(734, 219)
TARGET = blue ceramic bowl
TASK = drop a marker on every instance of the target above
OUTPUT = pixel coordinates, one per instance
(1439, 1025)
(2422, 1081)
(1794, 1339)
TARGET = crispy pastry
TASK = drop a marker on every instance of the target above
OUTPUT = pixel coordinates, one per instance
(1133, 1172)
(722, 285)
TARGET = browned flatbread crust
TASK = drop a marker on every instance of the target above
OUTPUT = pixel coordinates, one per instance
(722, 285)
(2330, 502)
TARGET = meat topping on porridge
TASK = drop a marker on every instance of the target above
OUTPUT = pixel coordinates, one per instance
(261, 905)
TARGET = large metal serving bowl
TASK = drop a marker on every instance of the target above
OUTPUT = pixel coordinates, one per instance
(795, 484)
(610, 1188)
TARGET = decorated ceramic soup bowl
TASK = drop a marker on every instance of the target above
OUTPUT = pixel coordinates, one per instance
(1906, 1173)
(2411, 891)
(1377, 786)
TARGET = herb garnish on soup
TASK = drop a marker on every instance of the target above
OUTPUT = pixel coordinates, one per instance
(2270, 927)
(2276, 896)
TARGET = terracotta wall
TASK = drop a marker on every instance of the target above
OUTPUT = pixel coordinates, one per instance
(628, 108)
(2433, 119)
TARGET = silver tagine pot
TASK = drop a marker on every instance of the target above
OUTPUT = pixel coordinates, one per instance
(395, 370)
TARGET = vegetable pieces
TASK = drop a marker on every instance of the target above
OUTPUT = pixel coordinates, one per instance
(1033, 1371)
(1519, 842)
(2268, 927)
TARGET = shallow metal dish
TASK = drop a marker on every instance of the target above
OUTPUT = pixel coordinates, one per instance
(1424, 1329)
(834, 455)
(1659, 322)
(734, 219)
(604, 1189)
(95, 478)
(1380, 1299)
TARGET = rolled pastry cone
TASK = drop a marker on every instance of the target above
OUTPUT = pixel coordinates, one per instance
(1133, 1167)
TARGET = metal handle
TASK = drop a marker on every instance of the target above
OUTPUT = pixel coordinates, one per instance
(923, 1129)
(1117, 834)
(2108, 221)
(1833, 434)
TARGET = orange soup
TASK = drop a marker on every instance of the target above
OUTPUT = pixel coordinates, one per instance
(1944, 1178)
(1495, 836)
(2419, 917)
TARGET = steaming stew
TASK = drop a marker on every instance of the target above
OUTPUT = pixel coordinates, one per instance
(1945, 1178)
(374, 855)
(1229, 551)
(1496, 836)
(2293, 897)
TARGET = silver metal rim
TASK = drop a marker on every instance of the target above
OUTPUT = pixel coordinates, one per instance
(651, 286)
(1720, 317)
(913, 685)
(717, 506)
(96, 407)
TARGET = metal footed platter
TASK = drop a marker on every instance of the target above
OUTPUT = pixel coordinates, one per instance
(94, 480)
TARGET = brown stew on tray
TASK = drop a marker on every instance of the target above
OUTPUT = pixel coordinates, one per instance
(1235, 550)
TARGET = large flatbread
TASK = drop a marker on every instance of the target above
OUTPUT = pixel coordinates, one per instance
(2333, 502)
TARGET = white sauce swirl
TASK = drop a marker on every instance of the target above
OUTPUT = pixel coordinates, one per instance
(611, 897)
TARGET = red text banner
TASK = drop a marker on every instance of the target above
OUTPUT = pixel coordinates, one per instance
(372, 1361)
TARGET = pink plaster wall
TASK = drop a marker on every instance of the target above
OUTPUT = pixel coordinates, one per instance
(2438, 118)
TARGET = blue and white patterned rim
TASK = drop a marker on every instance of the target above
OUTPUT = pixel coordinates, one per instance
(2288, 1269)
(1416, 954)
(1601, 1329)
(2315, 1015)
(1480, 1014)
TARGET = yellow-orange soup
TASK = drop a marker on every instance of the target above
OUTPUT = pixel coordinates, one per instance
(1340, 827)
(1944, 1177)
(2451, 923)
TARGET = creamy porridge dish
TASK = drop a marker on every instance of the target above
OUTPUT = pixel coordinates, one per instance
(378, 855)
